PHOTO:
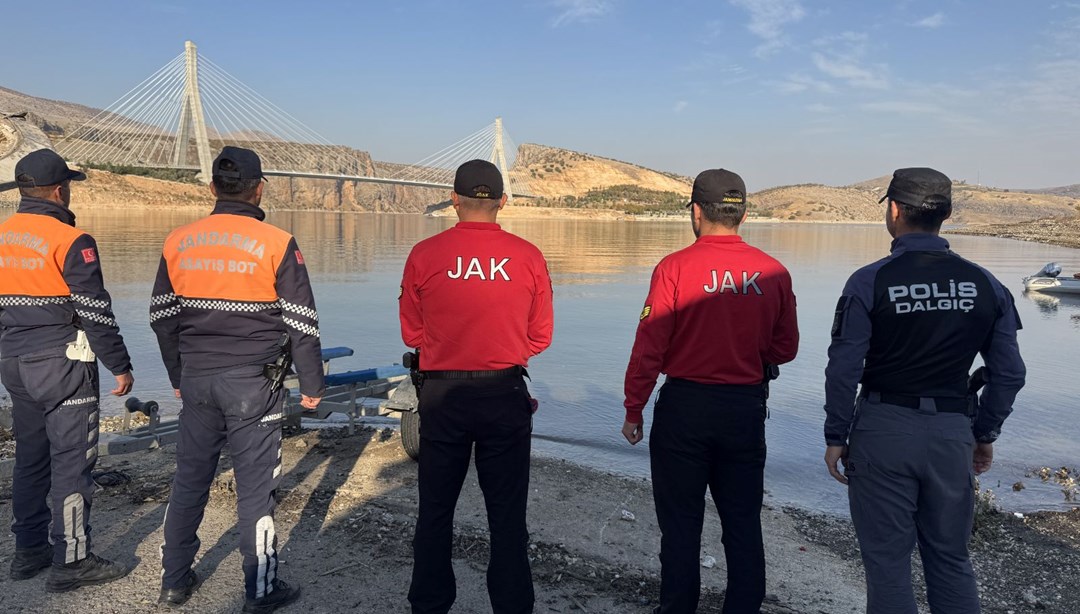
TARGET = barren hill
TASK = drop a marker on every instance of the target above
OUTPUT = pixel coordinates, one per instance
(555, 173)
(559, 176)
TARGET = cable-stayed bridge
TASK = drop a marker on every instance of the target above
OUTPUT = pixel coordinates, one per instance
(183, 114)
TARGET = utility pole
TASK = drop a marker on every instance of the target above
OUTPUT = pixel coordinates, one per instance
(192, 118)
(498, 157)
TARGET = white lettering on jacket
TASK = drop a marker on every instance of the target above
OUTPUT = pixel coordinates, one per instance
(930, 297)
(719, 287)
(475, 269)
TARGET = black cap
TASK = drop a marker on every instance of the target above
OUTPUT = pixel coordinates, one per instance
(44, 167)
(920, 187)
(718, 186)
(247, 163)
(479, 179)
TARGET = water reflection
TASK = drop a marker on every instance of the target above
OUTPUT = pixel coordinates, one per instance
(601, 272)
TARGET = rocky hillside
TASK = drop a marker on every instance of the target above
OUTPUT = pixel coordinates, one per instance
(859, 202)
(559, 177)
(554, 173)
(54, 117)
(814, 202)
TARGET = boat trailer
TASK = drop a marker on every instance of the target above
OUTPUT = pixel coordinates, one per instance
(345, 394)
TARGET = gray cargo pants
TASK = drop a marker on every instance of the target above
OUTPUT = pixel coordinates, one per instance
(55, 409)
(911, 481)
(237, 407)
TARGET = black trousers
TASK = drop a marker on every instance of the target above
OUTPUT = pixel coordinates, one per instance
(708, 436)
(55, 409)
(456, 416)
(234, 406)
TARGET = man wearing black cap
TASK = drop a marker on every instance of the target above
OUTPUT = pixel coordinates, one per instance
(719, 317)
(475, 301)
(231, 307)
(908, 328)
(55, 316)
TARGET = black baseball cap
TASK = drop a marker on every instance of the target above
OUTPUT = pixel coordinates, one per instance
(479, 179)
(42, 168)
(247, 163)
(920, 187)
(718, 186)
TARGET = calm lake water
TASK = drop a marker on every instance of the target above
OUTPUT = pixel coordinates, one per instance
(601, 271)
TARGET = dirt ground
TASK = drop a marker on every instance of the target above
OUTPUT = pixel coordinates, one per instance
(347, 510)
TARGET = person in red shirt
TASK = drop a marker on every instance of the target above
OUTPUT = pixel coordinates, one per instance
(475, 302)
(719, 316)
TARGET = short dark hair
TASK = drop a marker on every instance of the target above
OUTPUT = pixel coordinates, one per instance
(241, 189)
(729, 215)
(40, 191)
(478, 203)
(924, 218)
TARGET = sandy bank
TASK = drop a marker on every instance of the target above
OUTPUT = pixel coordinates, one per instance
(348, 506)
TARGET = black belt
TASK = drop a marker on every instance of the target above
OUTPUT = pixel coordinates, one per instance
(949, 405)
(512, 371)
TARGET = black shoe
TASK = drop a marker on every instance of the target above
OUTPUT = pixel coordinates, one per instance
(175, 597)
(282, 595)
(91, 570)
(28, 562)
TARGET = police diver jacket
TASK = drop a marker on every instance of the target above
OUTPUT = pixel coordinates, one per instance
(912, 324)
(51, 286)
(228, 288)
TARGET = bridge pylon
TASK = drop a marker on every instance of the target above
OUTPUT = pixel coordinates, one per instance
(192, 118)
(498, 158)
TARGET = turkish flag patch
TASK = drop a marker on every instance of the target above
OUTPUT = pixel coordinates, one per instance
(299, 257)
(89, 255)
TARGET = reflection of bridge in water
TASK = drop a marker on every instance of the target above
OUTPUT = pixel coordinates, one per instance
(190, 107)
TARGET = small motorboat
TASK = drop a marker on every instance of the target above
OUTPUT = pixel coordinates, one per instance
(1049, 280)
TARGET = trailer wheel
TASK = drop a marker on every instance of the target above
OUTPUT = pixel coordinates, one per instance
(410, 433)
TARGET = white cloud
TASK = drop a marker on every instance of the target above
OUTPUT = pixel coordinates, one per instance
(680, 106)
(819, 108)
(798, 83)
(902, 107)
(849, 70)
(767, 21)
(932, 22)
(571, 11)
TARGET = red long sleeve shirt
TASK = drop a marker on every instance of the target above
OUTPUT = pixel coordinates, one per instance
(716, 312)
(475, 298)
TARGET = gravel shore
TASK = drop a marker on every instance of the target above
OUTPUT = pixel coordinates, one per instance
(1052, 231)
(347, 510)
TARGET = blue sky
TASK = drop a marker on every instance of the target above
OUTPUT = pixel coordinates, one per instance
(782, 91)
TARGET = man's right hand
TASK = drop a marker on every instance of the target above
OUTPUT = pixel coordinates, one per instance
(124, 382)
(176, 392)
(309, 402)
(834, 455)
(633, 432)
(982, 458)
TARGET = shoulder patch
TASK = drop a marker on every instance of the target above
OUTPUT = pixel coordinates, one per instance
(645, 312)
(838, 317)
(89, 255)
(299, 257)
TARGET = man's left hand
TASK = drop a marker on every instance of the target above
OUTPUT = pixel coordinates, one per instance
(124, 382)
(309, 402)
(633, 432)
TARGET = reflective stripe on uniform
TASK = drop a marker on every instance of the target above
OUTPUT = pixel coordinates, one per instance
(264, 550)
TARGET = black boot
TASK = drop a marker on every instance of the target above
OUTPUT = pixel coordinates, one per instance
(29, 561)
(282, 595)
(91, 570)
(175, 597)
